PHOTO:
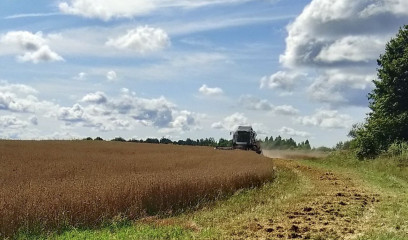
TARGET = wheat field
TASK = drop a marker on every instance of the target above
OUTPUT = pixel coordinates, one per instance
(49, 185)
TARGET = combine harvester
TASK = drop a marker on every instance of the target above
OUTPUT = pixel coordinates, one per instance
(244, 138)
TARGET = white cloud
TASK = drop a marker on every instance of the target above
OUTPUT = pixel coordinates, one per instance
(207, 91)
(44, 54)
(286, 110)
(97, 98)
(324, 25)
(328, 119)
(12, 122)
(352, 49)
(294, 133)
(339, 42)
(184, 121)
(74, 114)
(231, 122)
(281, 80)
(397, 7)
(340, 87)
(108, 9)
(22, 98)
(142, 40)
(254, 103)
(111, 76)
(31, 15)
(125, 112)
(33, 47)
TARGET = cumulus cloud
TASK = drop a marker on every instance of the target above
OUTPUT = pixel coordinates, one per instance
(98, 111)
(339, 87)
(32, 46)
(329, 119)
(281, 80)
(339, 42)
(231, 122)
(184, 121)
(294, 133)
(207, 91)
(344, 26)
(12, 122)
(286, 110)
(22, 98)
(75, 113)
(254, 103)
(351, 49)
(111, 76)
(108, 9)
(97, 98)
(143, 39)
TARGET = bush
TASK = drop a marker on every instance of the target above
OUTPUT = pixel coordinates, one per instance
(399, 149)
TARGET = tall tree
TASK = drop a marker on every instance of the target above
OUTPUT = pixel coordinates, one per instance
(388, 120)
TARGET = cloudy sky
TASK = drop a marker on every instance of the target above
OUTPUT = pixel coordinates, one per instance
(190, 68)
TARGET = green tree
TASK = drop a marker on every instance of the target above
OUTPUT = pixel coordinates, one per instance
(164, 140)
(118, 139)
(388, 120)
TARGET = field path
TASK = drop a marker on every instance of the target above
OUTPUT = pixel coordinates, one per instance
(333, 206)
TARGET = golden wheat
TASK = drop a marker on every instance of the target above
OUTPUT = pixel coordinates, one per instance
(46, 185)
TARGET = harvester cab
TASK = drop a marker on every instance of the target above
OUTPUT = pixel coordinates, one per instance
(245, 138)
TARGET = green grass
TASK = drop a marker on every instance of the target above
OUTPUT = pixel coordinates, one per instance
(387, 176)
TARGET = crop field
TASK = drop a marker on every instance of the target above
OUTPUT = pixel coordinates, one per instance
(50, 185)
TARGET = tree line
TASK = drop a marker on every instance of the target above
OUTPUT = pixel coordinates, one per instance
(267, 143)
(283, 144)
(190, 142)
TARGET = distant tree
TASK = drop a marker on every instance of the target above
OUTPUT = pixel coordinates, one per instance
(118, 139)
(307, 145)
(388, 120)
(343, 145)
(88, 139)
(165, 141)
(323, 149)
(98, 139)
(152, 140)
(224, 143)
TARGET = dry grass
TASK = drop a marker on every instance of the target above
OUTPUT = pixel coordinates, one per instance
(49, 185)
(295, 154)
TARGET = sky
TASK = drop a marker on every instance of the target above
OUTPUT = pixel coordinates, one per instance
(71, 69)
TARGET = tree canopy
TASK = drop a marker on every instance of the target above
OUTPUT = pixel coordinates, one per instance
(281, 143)
(388, 120)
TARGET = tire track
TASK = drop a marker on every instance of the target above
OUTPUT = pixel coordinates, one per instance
(333, 208)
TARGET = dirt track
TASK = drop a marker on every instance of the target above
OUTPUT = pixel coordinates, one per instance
(332, 207)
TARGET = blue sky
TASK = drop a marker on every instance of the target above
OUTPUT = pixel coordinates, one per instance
(183, 68)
